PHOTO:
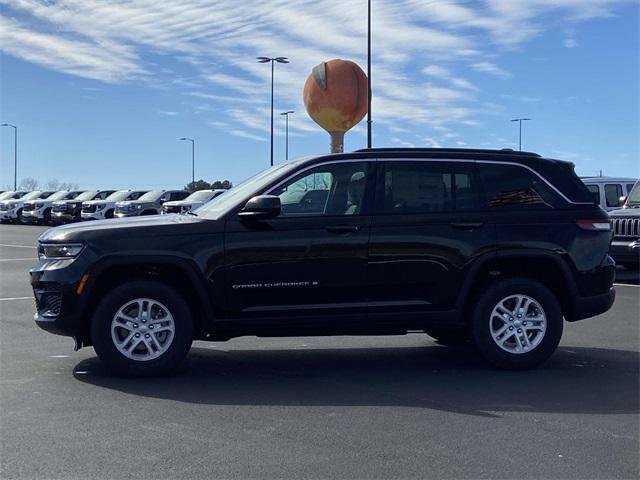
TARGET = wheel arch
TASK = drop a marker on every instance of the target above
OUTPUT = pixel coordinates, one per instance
(548, 268)
(175, 271)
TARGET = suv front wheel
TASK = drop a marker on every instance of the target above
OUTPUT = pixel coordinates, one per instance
(142, 328)
(517, 323)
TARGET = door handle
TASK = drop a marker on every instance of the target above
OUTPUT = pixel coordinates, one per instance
(466, 225)
(343, 229)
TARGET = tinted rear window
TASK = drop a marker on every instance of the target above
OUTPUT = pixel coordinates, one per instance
(515, 187)
(563, 177)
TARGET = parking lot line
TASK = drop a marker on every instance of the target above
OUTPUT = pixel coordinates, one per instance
(17, 246)
(15, 298)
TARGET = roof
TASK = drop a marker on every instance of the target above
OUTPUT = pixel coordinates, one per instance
(504, 151)
(608, 179)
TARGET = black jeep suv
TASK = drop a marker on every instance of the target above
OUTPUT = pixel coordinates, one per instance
(488, 245)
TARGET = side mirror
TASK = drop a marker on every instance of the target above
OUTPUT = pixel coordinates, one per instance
(622, 200)
(261, 207)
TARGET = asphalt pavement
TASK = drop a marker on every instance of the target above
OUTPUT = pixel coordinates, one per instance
(338, 407)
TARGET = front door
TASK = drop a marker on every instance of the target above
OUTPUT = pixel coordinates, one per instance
(312, 258)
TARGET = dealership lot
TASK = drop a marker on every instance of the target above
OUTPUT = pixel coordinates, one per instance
(347, 407)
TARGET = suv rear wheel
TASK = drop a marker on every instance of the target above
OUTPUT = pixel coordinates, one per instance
(517, 323)
(142, 328)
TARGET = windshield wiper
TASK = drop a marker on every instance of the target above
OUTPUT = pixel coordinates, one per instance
(190, 212)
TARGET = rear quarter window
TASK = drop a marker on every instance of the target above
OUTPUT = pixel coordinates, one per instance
(516, 187)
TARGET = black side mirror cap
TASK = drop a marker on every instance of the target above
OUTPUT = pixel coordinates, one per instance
(261, 207)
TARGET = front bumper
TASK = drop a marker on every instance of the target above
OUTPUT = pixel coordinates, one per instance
(8, 215)
(60, 217)
(58, 302)
(32, 216)
(625, 251)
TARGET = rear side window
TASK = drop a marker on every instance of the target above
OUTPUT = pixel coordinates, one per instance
(595, 191)
(515, 187)
(629, 188)
(612, 193)
(415, 187)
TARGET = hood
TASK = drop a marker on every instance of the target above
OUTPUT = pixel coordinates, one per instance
(179, 203)
(94, 202)
(132, 202)
(133, 227)
(625, 212)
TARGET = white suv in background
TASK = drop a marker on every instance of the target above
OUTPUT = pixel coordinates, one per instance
(608, 191)
(192, 202)
(39, 209)
(101, 209)
(11, 209)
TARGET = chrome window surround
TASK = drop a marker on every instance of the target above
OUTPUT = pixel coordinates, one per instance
(413, 159)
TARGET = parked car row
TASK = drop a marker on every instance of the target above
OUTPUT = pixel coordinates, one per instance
(49, 207)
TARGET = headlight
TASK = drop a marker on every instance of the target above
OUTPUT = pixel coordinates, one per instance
(138, 207)
(59, 251)
(101, 207)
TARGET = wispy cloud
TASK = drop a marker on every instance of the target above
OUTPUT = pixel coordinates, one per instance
(243, 134)
(491, 69)
(168, 113)
(216, 42)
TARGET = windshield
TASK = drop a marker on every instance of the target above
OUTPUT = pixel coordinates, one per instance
(118, 196)
(151, 196)
(86, 196)
(244, 191)
(634, 195)
(199, 196)
(32, 195)
(58, 196)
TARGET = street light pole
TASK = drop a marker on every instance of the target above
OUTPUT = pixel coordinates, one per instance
(369, 121)
(520, 120)
(193, 161)
(15, 154)
(286, 134)
(273, 61)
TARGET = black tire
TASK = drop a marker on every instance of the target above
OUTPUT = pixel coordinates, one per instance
(481, 330)
(109, 213)
(104, 345)
(19, 216)
(448, 336)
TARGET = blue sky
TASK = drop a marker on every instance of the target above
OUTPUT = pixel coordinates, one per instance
(101, 90)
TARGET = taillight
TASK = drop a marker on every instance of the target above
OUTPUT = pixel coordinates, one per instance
(595, 225)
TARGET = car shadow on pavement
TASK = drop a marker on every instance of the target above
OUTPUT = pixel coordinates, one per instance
(575, 380)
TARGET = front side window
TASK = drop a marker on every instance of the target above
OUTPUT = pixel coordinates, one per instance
(612, 193)
(515, 187)
(418, 187)
(594, 190)
(331, 189)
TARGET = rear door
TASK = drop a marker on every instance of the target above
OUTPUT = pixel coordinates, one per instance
(426, 231)
(312, 259)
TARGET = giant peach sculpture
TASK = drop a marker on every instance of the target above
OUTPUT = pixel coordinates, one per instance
(335, 96)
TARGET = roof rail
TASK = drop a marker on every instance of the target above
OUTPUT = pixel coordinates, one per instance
(505, 151)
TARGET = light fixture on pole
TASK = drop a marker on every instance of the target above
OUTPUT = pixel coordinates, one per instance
(520, 120)
(273, 61)
(15, 154)
(193, 161)
(286, 132)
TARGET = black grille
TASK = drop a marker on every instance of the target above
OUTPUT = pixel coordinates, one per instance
(626, 227)
(60, 208)
(48, 301)
(29, 207)
(172, 208)
(89, 208)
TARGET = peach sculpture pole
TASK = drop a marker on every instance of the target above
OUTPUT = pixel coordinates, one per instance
(335, 96)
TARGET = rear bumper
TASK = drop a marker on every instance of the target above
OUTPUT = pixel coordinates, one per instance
(627, 251)
(587, 307)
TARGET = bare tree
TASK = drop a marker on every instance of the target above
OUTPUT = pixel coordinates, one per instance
(28, 184)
